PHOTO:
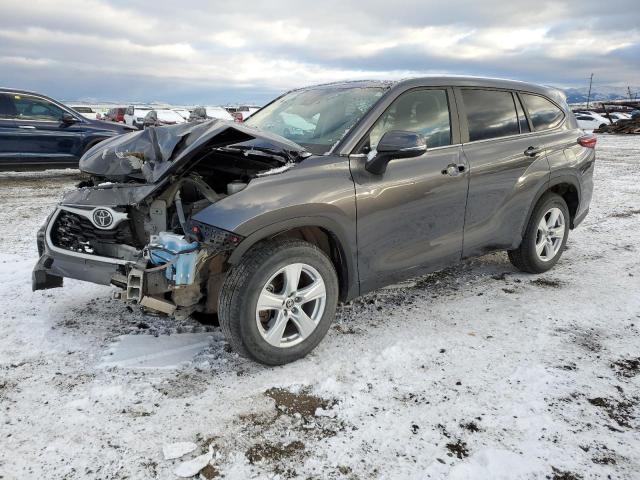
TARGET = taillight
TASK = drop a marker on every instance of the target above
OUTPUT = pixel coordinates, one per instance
(237, 116)
(588, 141)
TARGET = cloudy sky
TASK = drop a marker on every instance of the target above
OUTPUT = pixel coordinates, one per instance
(190, 51)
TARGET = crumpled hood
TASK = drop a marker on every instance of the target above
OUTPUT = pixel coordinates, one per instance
(151, 154)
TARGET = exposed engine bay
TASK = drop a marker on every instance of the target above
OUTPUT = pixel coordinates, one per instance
(135, 212)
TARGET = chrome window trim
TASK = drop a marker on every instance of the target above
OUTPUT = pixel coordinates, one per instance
(517, 135)
(429, 149)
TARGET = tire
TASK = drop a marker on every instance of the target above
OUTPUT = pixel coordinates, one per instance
(263, 273)
(91, 145)
(527, 257)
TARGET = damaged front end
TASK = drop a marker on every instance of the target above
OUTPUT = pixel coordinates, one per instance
(131, 224)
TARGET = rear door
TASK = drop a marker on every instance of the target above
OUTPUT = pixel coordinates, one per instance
(507, 163)
(411, 218)
(42, 136)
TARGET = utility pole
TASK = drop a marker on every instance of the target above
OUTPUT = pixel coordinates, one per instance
(589, 94)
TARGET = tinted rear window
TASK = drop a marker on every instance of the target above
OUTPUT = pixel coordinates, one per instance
(543, 113)
(490, 114)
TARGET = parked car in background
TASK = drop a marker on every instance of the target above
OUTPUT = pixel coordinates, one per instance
(183, 112)
(37, 131)
(591, 120)
(134, 115)
(218, 112)
(202, 114)
(162, 116)
(327, 193)
(242, 112)
(198, 115)
(87, 112)
(115, 115)
(615, 116)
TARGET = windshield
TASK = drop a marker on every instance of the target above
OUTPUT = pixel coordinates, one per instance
(316, 118)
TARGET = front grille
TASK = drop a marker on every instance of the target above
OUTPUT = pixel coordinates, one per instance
(74, 232)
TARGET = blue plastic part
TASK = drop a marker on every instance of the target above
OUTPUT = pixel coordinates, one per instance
(182, 272)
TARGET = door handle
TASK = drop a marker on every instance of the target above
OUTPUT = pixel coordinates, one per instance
(27, 127)
(454, 170)
(532, 151)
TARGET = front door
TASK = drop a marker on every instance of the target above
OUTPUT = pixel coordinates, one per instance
(42, 136)
(410, 219)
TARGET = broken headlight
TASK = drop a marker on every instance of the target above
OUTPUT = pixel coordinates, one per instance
(214, 238)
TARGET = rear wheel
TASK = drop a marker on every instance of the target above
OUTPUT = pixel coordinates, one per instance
(277, 304)
(545, 237)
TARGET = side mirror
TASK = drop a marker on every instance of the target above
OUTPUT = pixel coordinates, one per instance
(396, 144)
(68, 119)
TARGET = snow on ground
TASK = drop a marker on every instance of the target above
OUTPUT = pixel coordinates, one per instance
(476, 372)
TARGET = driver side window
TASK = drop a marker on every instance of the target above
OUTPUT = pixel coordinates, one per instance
(33, 108)
(421, 111)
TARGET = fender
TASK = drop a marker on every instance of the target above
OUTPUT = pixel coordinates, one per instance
(571, 179)
(347, 250)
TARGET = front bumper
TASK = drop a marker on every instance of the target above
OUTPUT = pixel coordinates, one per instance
(51, 268)
(55, 263)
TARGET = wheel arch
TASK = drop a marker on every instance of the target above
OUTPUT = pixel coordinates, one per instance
(319, 231)
(568, 187)
(92, 142)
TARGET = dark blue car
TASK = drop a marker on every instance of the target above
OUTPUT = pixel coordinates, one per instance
(38, 132)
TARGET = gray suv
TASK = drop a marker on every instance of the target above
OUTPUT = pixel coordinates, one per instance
(325, 194)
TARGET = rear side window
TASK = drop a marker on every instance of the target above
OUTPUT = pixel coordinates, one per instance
(490, 114)
(544, 114)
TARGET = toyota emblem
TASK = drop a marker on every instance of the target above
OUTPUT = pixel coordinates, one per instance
(102, 218)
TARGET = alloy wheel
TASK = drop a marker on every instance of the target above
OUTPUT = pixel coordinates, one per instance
(291, 305)
(550, 234)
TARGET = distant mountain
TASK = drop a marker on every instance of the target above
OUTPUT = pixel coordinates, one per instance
(600, 93)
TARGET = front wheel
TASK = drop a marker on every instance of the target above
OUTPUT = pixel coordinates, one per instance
(277, 304)
(545, 237)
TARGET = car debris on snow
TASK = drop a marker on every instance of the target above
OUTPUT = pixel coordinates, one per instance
(192, 467)
(172, 451)
(147, 351)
